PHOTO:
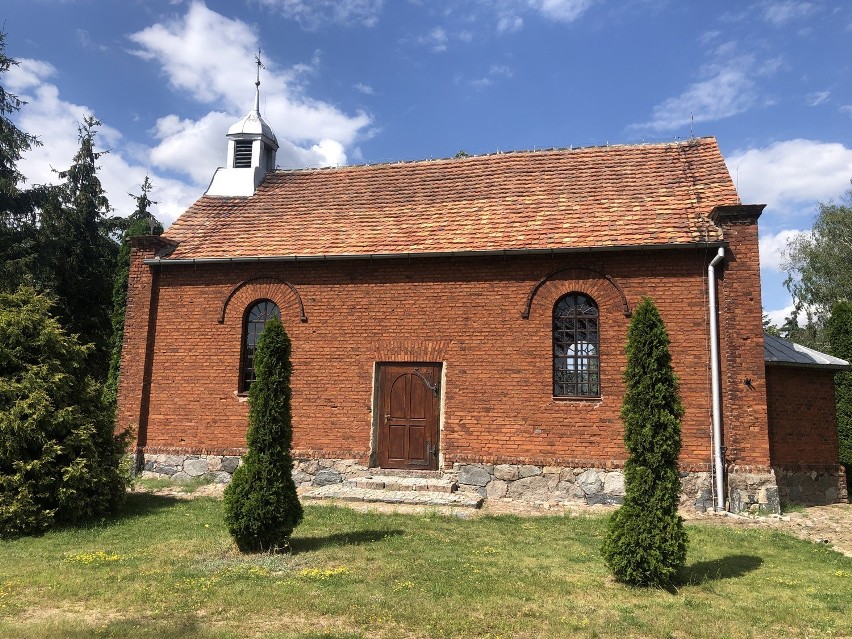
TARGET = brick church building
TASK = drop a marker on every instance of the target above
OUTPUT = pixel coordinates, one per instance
(467, 319)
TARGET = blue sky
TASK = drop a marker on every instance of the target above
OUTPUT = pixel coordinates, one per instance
(355, 81)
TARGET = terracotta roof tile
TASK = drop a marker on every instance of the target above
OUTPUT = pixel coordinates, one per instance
(559, 199)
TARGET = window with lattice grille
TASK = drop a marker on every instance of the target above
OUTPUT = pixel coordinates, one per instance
(576, 358)
(255, 319)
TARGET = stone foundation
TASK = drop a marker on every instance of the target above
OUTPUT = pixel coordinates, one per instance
(815, 486)
(216, 468)
(541, 485)
(753, 491)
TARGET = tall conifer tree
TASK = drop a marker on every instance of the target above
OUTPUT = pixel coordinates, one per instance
(18, 206)
(79, 251)
(645, 544)
(261, 504)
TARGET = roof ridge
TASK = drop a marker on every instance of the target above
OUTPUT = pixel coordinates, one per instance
(533, 151)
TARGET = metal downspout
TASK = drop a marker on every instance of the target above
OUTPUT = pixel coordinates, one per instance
(716, 375)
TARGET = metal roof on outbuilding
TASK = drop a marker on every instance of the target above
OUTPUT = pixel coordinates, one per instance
(780, 352)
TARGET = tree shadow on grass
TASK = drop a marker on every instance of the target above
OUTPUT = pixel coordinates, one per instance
(723, 568)
(309, 544)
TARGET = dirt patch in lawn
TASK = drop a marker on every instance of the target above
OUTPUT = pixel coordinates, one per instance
(830, 525)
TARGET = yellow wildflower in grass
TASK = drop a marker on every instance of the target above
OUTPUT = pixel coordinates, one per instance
(318, 574)
(403, 585)
(198, 584)
(99, 557)
(6, 597)
(842, 573)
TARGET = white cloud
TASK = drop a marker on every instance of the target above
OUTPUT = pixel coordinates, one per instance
(773, 246)
(313, 14)
(816, 98)
(436, 40)
(792, 173)
(561, 10)
(727, 92)
(366, 89)
(55, 121)
(496, 71)
(847, 109)
(209, 57)
(778, 316)
(779, 12)
(509, 23)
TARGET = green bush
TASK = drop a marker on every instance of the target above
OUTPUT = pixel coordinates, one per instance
(60, 461)
(645, 544)
(840, 340)
(261, 504)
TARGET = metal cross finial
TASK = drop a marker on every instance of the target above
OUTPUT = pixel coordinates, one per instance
(259, 67)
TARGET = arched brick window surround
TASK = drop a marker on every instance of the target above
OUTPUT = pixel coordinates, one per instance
(282, 293)
(577, 273)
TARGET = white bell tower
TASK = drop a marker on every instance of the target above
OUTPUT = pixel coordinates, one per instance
(251, 153)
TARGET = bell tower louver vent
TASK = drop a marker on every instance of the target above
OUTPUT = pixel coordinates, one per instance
(242, 154)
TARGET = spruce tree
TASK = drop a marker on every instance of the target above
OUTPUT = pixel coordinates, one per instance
(840, 341)
(645, 544)
(79, 251)
(18, 206)
(140, 222)
(261, 504)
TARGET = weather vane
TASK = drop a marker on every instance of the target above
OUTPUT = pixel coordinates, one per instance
(259, 67)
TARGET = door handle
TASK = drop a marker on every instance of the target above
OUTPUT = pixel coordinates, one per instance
(431, 450)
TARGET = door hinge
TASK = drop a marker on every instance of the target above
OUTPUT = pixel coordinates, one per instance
(432, 386)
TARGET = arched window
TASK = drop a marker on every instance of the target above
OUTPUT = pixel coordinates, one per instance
(576, 358)
(255, 319)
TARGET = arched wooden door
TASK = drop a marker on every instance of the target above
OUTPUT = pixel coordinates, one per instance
(408, 417)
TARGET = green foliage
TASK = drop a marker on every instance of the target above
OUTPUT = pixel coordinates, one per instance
(18, 206)
(140, 222)
(78, 252)
(261, 504)
(819, 265)
(839, 330)
(646, 542)
(59, 459)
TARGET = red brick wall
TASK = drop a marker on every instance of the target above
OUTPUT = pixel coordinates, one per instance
(802, 418)
(746, 437)
(140, 324)
(497, 403)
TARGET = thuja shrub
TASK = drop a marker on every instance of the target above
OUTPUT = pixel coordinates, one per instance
(60, 461)
(645, 544)
(840, 340)
(261, 504)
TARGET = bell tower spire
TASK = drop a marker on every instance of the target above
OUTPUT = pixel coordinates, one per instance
(257, 83)
(251, 151)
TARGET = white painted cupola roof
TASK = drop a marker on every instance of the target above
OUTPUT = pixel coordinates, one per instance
(253, 125)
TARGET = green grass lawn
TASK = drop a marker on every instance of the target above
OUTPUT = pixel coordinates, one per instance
(167, 568)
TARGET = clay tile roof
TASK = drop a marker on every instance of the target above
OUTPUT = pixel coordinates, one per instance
(644, 195)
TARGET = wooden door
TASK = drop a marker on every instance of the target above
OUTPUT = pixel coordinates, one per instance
(408, 417)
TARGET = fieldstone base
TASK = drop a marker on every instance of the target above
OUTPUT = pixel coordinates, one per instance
(813, 487)
(216, 468)
(539, 485)
(753, 492)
